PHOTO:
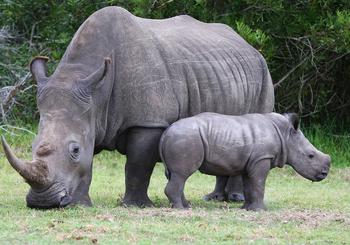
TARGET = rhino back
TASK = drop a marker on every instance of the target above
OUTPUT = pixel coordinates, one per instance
(237, 140)
(183, 67)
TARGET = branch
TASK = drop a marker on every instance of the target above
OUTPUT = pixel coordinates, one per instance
(8, 93)
(3, 127)
(165, 3)
(289, 72)
(14, 89)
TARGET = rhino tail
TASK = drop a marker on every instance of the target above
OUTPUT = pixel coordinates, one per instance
(161, 148)
(167, 172)
(266, 99)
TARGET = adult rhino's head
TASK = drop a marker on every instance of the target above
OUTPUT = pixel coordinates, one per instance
(302, 155)
(60, 172)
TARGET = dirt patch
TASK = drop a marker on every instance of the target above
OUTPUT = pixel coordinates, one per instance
(106, 217)
(299, 217)
(302, 218)
(86, 233)
(168, 212)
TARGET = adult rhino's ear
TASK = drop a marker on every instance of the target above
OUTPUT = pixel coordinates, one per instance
(39, 70)
(89, 83)
(293, 118)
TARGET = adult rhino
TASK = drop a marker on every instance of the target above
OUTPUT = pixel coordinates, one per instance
(121, 82)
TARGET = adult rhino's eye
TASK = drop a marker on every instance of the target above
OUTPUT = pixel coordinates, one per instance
(74, 151)
(311, 156)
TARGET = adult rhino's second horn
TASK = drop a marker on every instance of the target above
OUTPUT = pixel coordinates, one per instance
(39, 70)
(34, 172)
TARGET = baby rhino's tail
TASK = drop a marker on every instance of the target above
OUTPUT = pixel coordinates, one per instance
(161, 148)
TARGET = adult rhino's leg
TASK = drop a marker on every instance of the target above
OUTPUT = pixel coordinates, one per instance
(142, 154)
(81, 194)
(234, 189)
(218, 193)
(227, 189)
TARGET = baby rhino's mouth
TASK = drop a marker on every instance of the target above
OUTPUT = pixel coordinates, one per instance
(322, 175)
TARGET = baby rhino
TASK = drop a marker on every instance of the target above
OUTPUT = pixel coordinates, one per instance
(225, 145)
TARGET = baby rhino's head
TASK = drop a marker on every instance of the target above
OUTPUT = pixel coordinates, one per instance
(302, 155)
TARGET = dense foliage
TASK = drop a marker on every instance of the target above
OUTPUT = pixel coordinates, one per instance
(306, 43)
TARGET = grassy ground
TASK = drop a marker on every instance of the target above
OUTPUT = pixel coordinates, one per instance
(299, 212)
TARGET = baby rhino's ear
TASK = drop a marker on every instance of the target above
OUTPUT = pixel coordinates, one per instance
(293, 118)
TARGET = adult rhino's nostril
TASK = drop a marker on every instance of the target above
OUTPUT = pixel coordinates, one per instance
(44, 149)
(66, 200)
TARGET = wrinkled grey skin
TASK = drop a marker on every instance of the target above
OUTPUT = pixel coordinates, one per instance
(121, 82)
(249, 145)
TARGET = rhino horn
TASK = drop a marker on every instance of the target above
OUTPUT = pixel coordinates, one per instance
(34, 172)
(39, 70)
(91, 81)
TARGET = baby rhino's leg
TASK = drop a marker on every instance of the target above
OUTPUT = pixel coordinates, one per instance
(254, 185)
(182, 157)
(174, 190)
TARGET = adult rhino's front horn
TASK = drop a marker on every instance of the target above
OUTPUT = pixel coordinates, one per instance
(34, 172)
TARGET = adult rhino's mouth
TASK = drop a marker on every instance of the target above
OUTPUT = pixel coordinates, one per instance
(54, 196)
(44, 194)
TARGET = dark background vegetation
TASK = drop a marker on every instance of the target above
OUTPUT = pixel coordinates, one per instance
(306, 44)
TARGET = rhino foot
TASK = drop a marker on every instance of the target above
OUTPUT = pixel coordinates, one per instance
(254, 207)
(141, 203)
(86, 202)
(215, 196)
(186, 203)
(235, 197)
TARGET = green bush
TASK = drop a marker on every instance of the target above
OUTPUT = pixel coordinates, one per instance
(306, 43)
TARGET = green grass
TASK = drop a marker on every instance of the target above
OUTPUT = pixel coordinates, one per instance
(299, 211)
(334, 143)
